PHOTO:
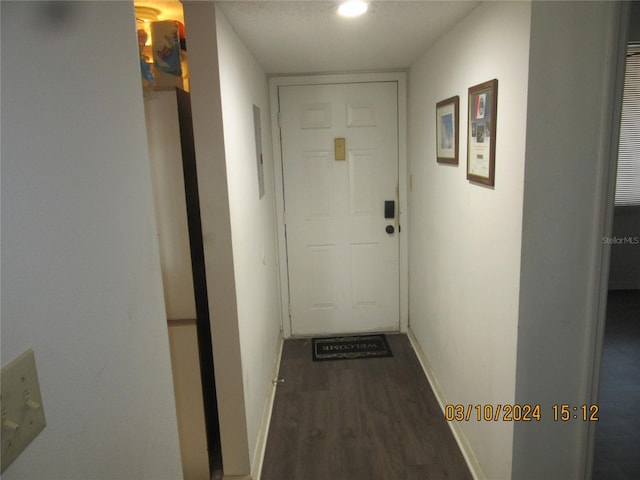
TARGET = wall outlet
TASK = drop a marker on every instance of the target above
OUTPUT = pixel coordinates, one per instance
(21, 404)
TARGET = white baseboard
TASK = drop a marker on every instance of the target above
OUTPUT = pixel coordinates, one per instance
(461, 439)
(261, 444)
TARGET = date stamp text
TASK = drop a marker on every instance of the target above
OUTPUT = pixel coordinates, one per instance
(520, 413)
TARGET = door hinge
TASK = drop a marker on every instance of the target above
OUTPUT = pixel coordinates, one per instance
(289, 310)
(279, 120)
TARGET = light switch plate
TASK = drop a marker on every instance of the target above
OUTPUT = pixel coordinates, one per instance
(21, 403)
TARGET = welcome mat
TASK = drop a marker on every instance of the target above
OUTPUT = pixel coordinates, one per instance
(346, 348)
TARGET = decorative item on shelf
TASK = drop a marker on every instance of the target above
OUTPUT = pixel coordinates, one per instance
(184, 63)
(144, 17)
(162, 45)
(165, 39)
(145, 66)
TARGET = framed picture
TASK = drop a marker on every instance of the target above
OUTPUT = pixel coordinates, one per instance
(481, 145)
(447, 114)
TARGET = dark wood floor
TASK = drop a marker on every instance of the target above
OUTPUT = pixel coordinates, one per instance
(358, 420)
(617, 446)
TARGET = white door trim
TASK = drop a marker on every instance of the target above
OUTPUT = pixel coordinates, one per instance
(401, 79)
(604, 217)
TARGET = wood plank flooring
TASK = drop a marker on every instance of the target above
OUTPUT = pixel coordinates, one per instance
(373, 419)
(618, 431)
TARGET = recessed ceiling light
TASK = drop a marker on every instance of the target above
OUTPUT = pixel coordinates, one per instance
(352, 8)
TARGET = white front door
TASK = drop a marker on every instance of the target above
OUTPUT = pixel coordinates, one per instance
(342, 253)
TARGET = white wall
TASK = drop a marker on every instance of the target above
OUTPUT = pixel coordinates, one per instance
(81, 281)
(167, 180)
(253, 222)
(206, 113)
(238, 230)
(464, 243)
(185, 362)
(165, 155)
(574, 48)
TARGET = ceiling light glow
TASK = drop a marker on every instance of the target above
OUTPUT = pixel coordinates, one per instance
(352, 8)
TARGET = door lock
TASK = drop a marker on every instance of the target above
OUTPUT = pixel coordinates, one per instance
(389, 209)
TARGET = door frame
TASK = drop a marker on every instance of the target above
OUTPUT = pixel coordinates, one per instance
(400, 78)
(606, 188)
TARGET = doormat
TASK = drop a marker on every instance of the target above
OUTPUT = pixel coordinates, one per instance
(347, 348)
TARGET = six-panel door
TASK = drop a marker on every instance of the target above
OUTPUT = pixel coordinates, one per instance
(343, 264)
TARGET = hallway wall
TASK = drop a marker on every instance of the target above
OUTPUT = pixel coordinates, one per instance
(569, 146)
(243, 84)
(464, 240)
(81, 280)
(167, 179)
(238, 230)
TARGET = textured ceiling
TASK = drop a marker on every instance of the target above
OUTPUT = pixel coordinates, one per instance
(308, 36)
